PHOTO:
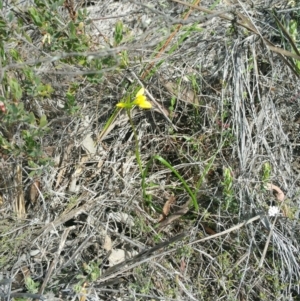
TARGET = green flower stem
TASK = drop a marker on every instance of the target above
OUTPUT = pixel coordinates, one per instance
(137, 151)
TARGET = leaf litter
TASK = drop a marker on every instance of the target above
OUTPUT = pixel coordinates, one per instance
(238, 74)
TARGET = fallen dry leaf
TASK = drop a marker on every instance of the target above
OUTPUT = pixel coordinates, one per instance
(122, 217)
(119, 255)
(34, 191)
(83, 292)
(107, 245)
(182, 266)
(182, 211)
(278, 192)
(208, 230)
(116, 256)
(166, 208)
(89, 145)
(20, 200)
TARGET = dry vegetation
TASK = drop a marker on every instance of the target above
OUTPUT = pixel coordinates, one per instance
(196, 198)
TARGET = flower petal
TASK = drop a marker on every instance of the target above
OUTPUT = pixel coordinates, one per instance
(141, 92)
(145, 104)
(140, 99)
(121, 105)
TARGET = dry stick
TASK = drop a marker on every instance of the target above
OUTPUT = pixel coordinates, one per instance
(280, 198)
(147, 255)
(19, 200)
(115, 17)
(201, 19)
(53, 263)
(62, 219)
(227, 231)
(140, 258)
(163, 48)
(267, 244)
(171, 20)
(23, 295)
(83, 245)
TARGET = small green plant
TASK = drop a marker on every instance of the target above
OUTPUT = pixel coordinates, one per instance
(144, 284)
(289, 32)
(228, 191)
(293, 31)
(91, 272)
(266, 173)
(186, 251)
(24, 91)
(124, 59)
(32, 129)
(184, 183)
(172, 105)
(141, 101)
(32, 287)
(71, 104)
(195, 83)
(118, 34)
(157, 238)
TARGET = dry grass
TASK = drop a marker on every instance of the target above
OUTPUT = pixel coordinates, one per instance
(227, 96)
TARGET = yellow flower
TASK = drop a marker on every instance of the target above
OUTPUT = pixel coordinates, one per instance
(141, 100)
(123, 105)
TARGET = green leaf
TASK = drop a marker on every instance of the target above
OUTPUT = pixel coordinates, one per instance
(31, 118)
(118, 35)
(43, 121)
(35, 16)
(27, 37)
(72, 30)
(45, 90)
(293, 29)
(187, 188)
(31, 285)
(15, 54)
(15, 87)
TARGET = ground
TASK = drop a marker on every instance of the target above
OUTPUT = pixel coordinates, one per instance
(193, 198)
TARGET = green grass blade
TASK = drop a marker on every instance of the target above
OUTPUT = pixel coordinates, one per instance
(187, 188)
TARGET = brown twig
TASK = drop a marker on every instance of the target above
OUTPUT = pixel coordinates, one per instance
(69, 5)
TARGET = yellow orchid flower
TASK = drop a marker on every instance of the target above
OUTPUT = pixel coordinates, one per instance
(141, 100)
